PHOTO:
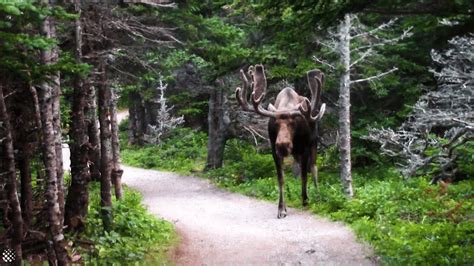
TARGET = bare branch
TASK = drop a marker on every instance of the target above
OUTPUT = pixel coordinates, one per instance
(331, 46)
(367, 53)
(375, 77)
(382, 42)
(450, 108)
(324, 62)
(381, 27)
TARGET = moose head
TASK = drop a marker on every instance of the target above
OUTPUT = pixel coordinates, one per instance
(292, 124)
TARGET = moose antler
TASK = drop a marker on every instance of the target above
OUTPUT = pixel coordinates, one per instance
(259, 86)
(315, 82)
(241, 93)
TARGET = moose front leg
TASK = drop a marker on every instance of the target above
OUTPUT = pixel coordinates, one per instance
(281, 182)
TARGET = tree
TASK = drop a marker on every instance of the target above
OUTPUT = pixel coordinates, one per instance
(105, 149)
(165, 122)
(8, 172)
(218, 122)
(117, 170)
(49, 91)
(342, 44)
(78, 194)
(441, 124)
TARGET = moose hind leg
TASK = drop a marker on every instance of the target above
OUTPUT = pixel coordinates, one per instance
(314, 174)
(304, 181)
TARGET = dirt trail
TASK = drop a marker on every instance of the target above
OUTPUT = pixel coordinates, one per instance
(223, 228)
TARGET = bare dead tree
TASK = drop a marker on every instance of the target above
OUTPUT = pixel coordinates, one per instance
(442, 121)
(341, 43)
(165, 122)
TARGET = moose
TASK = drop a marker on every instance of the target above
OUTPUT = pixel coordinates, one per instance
(292, 124)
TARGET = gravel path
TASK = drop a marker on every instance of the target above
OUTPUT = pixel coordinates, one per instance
(223, 228)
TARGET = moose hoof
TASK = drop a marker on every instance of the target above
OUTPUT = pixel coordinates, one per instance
(281, 213)
(305, 203)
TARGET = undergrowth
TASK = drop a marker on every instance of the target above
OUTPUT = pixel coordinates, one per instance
(184, 152)
(137, 237)
(406, 221)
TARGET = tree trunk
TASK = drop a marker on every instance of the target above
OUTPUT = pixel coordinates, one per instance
(106, 149)
(344, 107)
(58, 141)
(117, 171)
(49, 147)
(151, 110)
(140, 119)
(132, 120)
(8, 169)
(93, 130)
(26, 189)
(78, 195)
(137, 119)
(218, 121)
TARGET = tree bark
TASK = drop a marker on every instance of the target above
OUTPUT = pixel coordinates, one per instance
(78, 195)
(140, 119)
(137, 119)
(8, 169)
(132, 121)
(106, 149)
(344, 106)
(117, 171)
(93, 130)
(218, 121)
(58, 141)
(26, 189)
(49, 146)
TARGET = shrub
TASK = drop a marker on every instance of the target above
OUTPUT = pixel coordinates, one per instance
(136, 235)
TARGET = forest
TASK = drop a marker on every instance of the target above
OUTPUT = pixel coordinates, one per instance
(184, 132)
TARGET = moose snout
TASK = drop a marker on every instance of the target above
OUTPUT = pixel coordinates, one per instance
(284, 148)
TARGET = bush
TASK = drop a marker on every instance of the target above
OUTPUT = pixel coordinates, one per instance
(184, 152)
(136, 235)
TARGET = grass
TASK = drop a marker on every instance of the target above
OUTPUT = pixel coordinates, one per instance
(406, 221)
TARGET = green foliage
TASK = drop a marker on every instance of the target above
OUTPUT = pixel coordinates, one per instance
(136, 235)
(184, 151)
(22, 43)
(190, 110)
(242, 163)
(211, 40)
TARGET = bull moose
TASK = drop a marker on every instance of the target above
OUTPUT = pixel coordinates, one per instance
(292, 124)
